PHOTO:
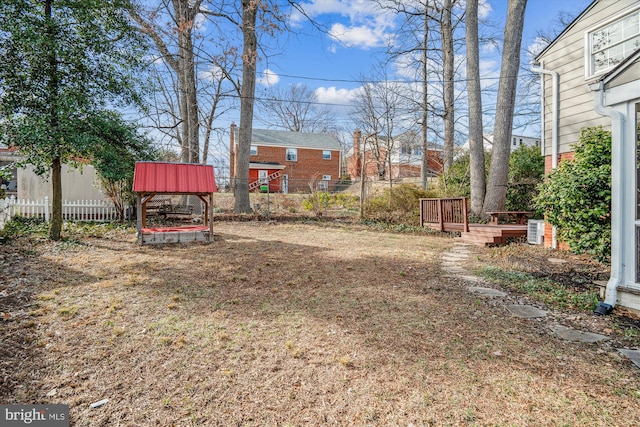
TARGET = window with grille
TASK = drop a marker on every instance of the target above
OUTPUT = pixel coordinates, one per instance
(610, 44)
(292, 154)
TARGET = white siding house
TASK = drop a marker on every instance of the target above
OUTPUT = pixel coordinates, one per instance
(591, 77)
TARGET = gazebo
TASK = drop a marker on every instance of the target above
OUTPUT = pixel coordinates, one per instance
(163, 178)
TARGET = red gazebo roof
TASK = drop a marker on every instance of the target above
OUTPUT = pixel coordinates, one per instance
(174, 178)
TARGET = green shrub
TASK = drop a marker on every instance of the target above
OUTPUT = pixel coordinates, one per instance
(23, 227)
(397, 205)
(526, 173)
(576, 197)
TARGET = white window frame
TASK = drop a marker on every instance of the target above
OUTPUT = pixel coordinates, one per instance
(326, 154)
(253, 150)
(589, 71)
(292, 155)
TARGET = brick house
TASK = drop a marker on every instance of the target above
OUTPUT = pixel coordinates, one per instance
(406, 159)
(289, 161)
(591, 77)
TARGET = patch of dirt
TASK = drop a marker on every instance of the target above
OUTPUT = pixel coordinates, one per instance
(289, 324)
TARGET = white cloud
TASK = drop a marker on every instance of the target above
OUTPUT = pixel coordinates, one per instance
(354, 9)
(484, 9)
(333, 95)
(213, 74)
(268, 78)
(536, 47)
(352, 23)
(364, 37)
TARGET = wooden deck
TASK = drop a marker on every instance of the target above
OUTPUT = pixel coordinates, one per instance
(486, 234)
(452, 215)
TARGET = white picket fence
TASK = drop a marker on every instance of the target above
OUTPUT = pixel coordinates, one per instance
(80, 210)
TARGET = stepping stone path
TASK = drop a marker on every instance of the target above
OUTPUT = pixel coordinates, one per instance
(526, 311)
(574, 335)
(454, 261)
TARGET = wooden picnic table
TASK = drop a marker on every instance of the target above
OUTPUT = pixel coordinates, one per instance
(520, 217)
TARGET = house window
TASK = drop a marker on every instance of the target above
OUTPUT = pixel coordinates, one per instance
(253, 151)
(326, 155)
(611, 44)
(292, 154)
(514, 142)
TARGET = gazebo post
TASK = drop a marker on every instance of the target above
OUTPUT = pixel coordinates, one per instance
(210, 214)
(139, 222)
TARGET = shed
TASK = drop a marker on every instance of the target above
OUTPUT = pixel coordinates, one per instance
(162, 178)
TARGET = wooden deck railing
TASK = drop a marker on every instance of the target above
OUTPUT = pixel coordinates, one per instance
(445, 214)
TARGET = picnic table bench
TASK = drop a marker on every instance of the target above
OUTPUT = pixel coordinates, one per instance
(175, 210)
(520, 217)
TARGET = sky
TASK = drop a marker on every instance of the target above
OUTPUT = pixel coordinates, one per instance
(331, 63)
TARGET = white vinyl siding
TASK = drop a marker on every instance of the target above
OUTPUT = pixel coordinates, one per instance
(568, 57)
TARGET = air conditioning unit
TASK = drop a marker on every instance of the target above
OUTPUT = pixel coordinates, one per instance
(535, 231)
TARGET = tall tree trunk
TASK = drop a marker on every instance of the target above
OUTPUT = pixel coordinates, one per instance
(55, 229)
(249, 59)
(185, 15)
(182, 63)
(446, 28)
(499, 170)
(424, 167)
(56, 199)
(476, 144)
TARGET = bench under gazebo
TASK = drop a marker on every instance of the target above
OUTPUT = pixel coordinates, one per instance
(153, 179)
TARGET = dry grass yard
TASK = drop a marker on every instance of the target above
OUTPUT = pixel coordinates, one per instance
(285, 324)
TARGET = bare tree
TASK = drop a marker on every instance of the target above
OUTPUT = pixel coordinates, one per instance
(182, 61)
(446, 33)
(296, 109)
(499, 169)
(476, 145)
(249, 60)
(377, 113)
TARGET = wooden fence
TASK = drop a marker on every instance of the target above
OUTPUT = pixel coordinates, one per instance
(79, 210)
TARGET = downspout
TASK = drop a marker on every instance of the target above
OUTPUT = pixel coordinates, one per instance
(617, 132)
(555, 88)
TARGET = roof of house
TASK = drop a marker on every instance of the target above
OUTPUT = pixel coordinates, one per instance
(279, 138)
(174, 178)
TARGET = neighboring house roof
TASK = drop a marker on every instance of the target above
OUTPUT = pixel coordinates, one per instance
(174, 178)
(559, 36)
(279, 138)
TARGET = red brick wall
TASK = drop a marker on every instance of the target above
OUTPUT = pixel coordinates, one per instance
(563, 156)
(310, 165)
(354, 166)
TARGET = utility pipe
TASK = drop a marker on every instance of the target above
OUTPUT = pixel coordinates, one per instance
(555, 88)
(617, 195)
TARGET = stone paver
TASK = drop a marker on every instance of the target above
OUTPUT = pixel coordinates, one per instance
(571, 334)
(634, 355)
(525, 311)
(486, 292)
(453, 263)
